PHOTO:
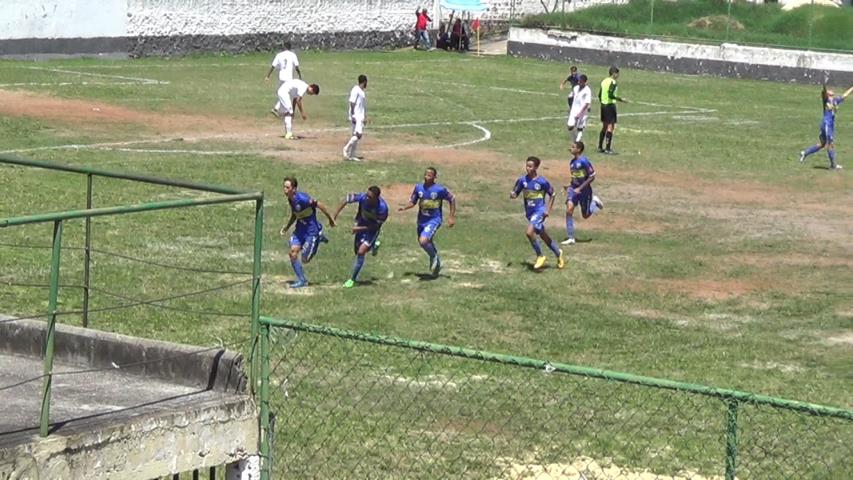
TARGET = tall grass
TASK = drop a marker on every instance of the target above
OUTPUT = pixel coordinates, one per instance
(766, 24)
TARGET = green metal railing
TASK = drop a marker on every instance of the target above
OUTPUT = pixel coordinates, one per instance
(226, 195)
(350, 403)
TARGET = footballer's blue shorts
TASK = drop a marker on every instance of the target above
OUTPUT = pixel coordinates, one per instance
(428, 228)
(365, 238)
(308, 240)
(584, 199)
(537, 219)
(826, 134)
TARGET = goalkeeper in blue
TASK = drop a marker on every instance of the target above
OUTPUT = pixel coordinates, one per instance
(372, 213)
(308, 235)
(533, 190)
(429, 197)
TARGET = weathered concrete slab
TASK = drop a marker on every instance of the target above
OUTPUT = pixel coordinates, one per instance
(726, 60)
(121, 406)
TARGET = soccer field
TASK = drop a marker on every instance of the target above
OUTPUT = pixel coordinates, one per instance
(719, 259)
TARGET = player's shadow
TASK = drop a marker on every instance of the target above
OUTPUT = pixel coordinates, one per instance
(529, 266)
(822, 167)
(425, 277)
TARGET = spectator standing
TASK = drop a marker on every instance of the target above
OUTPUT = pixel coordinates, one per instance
(421, 34)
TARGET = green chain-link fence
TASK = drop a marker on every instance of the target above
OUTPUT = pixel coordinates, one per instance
(349, 405)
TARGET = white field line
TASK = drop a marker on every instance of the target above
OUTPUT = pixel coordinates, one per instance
(65, 84)
(176, 151)
(474, 123)
(146, 81)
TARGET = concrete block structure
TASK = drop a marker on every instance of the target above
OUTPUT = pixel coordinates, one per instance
(121, 407)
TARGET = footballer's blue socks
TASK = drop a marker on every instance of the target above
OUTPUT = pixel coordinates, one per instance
(430, 249)
(570, 226)
(536, 248)
(811, 150)
(356, 267)
(554, 247)
(831, 155)
(297, 268)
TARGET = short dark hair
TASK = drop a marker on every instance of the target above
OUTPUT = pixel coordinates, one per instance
(580, 145)
(573, 68)
(292, 181)
(287, 45)
(583, 77)
(535, 160)
(613, 69)
(434, 171)
(362, 78)
(315, 88)
(374, 190)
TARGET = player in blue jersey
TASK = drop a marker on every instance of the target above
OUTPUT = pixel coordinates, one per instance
(372, 213)
(579, 191)
(827, 126)
(308, 234)
(429, 197)
(533, 190)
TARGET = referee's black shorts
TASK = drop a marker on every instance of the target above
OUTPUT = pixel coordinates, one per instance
(608, 113)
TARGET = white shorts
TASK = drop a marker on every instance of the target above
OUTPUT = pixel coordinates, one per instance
(573, 121)
(357, 126)
(286, 102)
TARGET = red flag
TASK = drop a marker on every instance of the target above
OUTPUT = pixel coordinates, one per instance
(475, 25)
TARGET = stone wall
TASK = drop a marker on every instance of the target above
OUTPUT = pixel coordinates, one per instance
(727, 60)
(169, 27)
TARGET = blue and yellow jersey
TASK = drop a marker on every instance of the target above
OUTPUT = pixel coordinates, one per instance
(829, 109)
(533, 191)
(429, 201)
(305, 209)
(581, 169)
(367, 216)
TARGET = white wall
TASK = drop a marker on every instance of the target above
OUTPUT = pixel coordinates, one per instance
(727, 52)
(62, 18)
(118, 18)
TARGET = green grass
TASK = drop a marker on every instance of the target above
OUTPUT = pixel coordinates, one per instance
(766, 24)
(718, 260)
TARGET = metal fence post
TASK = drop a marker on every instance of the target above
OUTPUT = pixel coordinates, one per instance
(256, 290)
(731, 439)
(652, 14)
(266, 432)
(87, 253)
(728, 20)
(50, 336)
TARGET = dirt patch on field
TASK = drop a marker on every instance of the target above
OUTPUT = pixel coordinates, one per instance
(696, 288)
(714, 290)
(770, 260)
(622, 223)
(315, 143)
(397, 194)
(588, 469)
(843, 338)
(84, 112)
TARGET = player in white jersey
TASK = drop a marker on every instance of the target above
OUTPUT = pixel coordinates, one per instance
(290, 93)
(579, 112)
(286, 63)
(357, 112)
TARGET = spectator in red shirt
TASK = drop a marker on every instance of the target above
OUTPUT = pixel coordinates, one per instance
(421, 34)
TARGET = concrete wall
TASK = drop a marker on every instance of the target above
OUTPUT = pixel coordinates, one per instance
(728, 60)
(166, 27)
(62, 18)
